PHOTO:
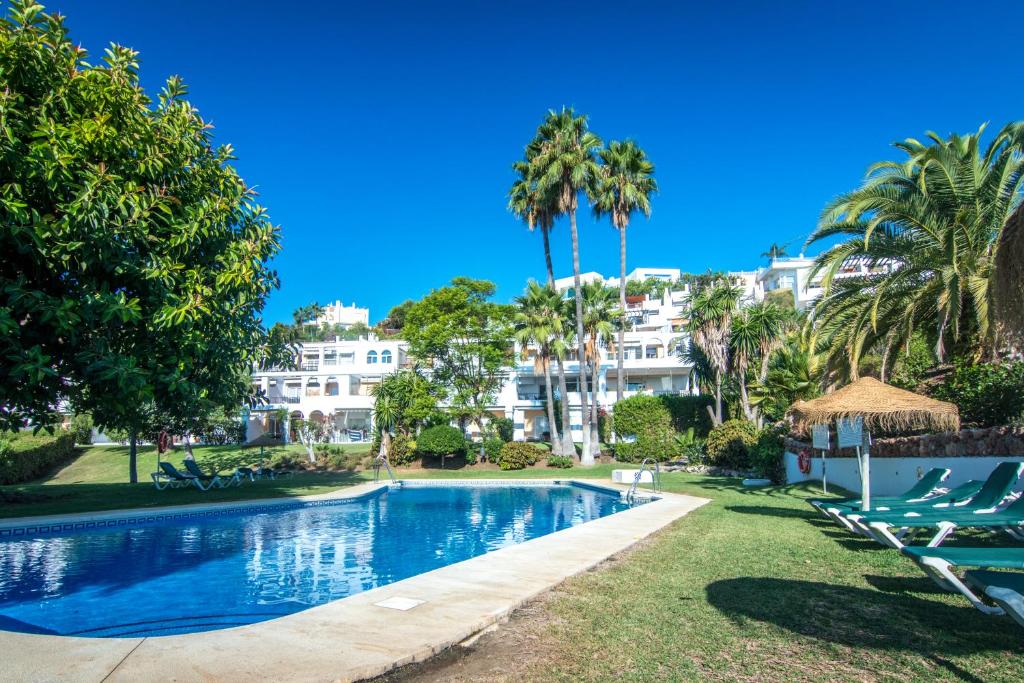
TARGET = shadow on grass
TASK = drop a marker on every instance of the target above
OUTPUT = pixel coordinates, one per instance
(775, 511)
(863, 618)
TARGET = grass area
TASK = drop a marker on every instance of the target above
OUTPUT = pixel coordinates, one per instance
(754, 586)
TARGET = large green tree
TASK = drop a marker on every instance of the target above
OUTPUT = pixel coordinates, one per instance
(710, 326)
(466, 341)
(135, 258)
(563, 154)
(600, 318)
(924, 232)
(625, 187)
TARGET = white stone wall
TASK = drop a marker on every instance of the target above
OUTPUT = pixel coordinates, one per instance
(893, 476)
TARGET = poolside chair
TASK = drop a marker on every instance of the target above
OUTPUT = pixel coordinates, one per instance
(179, 478)
(982, 511)
(212, 479)
(1004, 588)
(163, 480)
(959, 496)
(924, 487)
(254, 473)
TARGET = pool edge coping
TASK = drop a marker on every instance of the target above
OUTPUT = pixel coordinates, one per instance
(310, 631)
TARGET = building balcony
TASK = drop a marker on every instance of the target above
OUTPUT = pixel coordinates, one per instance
(310, 366)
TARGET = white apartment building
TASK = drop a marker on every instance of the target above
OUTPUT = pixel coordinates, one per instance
(346, 316)
(332, 381)
(794, 274)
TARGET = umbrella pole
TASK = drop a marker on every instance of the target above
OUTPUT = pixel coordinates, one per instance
(824, 476)
(865, 478)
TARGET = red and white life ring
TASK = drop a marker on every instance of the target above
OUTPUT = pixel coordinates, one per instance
(803, 460)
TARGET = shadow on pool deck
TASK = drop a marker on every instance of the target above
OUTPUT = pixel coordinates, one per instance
(864, 618)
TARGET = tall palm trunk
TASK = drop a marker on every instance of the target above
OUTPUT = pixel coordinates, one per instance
(133, 457)
(547, 256)
(595, 433)
(556, 444)
(619, 349)
(568, 447)
(586, 457)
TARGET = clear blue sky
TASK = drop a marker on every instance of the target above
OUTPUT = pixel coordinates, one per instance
(380, 134)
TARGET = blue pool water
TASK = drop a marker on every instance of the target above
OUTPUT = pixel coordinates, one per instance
(219, 571)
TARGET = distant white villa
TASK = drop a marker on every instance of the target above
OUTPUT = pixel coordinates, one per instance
(346, 316)
(333, 380)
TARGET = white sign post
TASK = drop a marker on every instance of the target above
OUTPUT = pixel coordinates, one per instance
(850, 433)
(819, 441)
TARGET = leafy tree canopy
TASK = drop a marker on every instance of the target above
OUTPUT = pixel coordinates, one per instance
(135, 257)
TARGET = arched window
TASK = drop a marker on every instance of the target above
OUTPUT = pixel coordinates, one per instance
(385, 357)
(371, 357)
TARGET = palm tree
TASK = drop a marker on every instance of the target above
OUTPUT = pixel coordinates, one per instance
(923, 233)
(627, 183)
(563, 157)
(529, 205)
(756, 332)
(599, 317)
(710, 326)
(776, 251)
(538, 321)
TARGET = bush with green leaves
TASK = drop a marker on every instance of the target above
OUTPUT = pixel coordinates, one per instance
(561, 461)
(690, 412)
(729, 444)
(504, 428)
(643, 427)
(403, 450)
(492, 447)
(766, 455)
(988, 394)
(516, 455)
(25, 456)
(441, 441)
(81, 428)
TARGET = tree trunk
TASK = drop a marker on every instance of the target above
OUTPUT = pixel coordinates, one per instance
(620, 350)
(595, 432)
(586, 457)
(718, 399)
(133, 452)
(568, 447)
(547, 256)
(556, 444)
(188, 448)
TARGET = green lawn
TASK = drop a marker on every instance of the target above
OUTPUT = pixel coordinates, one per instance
(754, 587)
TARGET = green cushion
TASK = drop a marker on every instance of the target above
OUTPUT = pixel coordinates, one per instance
(1003, 558)
(983, 579)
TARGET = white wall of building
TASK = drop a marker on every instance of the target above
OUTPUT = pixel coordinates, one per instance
(893, 476)
(339, 314)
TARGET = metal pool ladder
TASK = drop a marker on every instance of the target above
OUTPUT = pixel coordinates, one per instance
(382, 460)
(655, 478)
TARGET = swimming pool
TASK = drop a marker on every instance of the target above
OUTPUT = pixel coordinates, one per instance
(182, 576)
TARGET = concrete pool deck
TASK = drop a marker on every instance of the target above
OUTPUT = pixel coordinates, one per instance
(356, 637)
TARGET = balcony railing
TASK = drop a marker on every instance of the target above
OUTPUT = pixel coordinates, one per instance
(310, 365)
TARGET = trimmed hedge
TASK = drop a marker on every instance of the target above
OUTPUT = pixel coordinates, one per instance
(690, 411)
(24, 457)
(441, 440)
(648, 420)
(729, 444)
(516, 455)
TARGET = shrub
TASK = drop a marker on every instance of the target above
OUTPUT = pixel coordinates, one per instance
(24, 457)
(471, 455)
(647, 420)
(690, 412)
(81, 428)
(442, 440)
(403, 450)
(561, 461)
(286, 460)
(766, 456)
(988, 394)
(516, 455)
(504, 428)
(492, 447)
(729, 444)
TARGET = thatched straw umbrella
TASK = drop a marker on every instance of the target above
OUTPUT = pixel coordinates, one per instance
(881, 407)
(1008, 279)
